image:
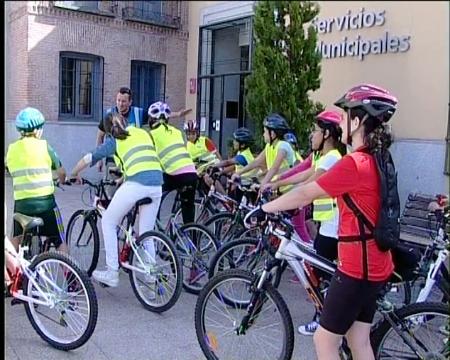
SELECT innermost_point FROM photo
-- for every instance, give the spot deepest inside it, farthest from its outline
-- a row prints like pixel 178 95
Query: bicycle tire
pixel 85 215
pixel 178 270
pixel 213 245
pixel 90 292
pixel 271 292
pixel 384 328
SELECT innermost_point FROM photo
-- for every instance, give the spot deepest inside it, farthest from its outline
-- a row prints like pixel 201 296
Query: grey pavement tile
pixel 10 353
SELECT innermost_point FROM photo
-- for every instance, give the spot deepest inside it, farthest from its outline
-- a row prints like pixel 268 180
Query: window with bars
pixel 148 81
pixel 81 86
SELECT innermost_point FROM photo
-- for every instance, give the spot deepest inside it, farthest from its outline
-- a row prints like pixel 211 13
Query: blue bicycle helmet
pixel 291 139
pixel 276 122
pixel 243 135
pixel 29 119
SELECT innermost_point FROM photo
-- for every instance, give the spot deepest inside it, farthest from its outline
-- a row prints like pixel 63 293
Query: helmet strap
pixel 38 132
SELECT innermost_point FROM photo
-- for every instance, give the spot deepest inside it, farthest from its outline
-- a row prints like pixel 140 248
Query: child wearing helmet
pixel 242 139
pixel 362 268
pixel 30 161
pixel 325 141
pixel 278 154
pixel 179 172
pixel 135 155
pixel 202 149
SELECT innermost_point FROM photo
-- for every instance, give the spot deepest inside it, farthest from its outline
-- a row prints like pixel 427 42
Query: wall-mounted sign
pixel 358 46
pixel 192 86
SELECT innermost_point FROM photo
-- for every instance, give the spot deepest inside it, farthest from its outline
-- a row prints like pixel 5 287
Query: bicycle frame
pixel 432 274
pixel 17 266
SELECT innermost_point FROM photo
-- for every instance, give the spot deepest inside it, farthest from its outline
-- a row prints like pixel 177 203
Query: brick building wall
pixel 37 33
pixel 37 37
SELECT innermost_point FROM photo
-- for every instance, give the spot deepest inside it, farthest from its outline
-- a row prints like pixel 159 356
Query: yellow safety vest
pixel 199 151
pixel 324 209
pixel 247 154
pixel 136 153
pixel 271 154
pixel 170 148
pixel 30 166
pixel 298 157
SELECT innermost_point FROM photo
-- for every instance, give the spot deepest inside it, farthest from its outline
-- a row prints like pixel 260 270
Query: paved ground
pixel 125 330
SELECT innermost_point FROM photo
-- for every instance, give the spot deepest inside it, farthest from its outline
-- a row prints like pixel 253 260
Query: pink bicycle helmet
pixel 330 116
pixel 374 100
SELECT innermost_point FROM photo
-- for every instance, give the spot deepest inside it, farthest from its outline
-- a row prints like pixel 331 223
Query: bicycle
pixel 429 278
pixel 241 305
pixel 228 225
pixel 195 245
pixel 151 259
pixel 59 298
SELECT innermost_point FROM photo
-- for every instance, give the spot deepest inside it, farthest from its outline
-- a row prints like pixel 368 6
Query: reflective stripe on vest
pixel 324 209
pixel 271 152
pixel 30 166
pixel 170 148
pixel 136 153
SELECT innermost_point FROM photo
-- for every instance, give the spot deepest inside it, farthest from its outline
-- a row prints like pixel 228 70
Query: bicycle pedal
pixel 17 301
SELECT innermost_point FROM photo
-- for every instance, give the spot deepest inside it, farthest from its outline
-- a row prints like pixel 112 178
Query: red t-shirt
pixel 356 174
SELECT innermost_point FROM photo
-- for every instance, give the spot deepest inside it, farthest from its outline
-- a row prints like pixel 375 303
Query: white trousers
pixel 122 202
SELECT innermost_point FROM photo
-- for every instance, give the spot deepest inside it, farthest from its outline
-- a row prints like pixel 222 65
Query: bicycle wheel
pixel 83 239
pixel 424 325
pixel 270 334
pixel 196 246
pixel 72 317
pixel 158 286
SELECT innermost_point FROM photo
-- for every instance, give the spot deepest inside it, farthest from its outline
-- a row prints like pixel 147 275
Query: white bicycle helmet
pixel 159 110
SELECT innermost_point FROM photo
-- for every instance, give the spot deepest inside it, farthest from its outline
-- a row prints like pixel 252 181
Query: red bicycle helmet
pixel 374 100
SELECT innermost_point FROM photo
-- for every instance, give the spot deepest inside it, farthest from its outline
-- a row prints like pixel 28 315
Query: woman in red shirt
pixel 350 304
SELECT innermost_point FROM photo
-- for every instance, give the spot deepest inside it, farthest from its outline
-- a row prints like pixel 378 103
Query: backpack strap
pixel 362 220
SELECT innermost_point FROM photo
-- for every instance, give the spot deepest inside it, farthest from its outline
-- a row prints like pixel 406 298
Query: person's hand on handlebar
pixel 75 179
pixel 255 217
pixel 268 187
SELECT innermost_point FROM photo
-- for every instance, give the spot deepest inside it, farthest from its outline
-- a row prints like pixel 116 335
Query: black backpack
pixel 386 231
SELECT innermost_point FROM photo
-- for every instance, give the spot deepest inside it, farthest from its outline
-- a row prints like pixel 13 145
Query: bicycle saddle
pixel 28 222
pixel 144 201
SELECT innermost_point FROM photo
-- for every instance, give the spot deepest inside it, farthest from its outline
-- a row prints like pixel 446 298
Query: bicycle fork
pixel 258 297
pixel 400 328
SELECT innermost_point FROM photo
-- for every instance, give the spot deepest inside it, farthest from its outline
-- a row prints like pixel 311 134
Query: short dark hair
pixel 126 90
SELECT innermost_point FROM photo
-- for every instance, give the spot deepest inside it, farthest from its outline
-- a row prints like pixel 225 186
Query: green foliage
pixel 286 65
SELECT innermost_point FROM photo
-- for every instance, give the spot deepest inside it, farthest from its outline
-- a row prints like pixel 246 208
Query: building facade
pixel 384 43
pixel 69 58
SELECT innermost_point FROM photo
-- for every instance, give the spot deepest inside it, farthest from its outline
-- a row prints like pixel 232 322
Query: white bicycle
pixel 58 296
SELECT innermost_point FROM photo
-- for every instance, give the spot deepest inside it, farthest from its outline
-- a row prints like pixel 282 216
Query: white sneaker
pixel 108 277
pixel 308 329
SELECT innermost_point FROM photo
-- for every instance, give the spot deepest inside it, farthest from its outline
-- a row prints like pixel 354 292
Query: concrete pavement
pixel 125 330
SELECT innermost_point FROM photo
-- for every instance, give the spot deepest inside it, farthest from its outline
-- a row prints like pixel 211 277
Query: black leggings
pixel 187 183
